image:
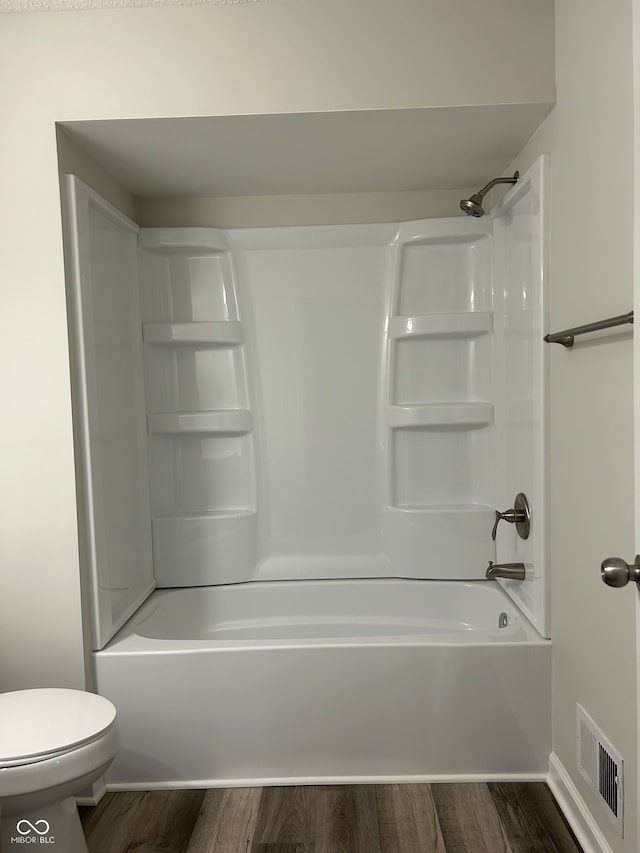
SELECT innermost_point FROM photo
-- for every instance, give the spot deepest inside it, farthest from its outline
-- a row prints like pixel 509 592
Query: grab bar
pixel 566 337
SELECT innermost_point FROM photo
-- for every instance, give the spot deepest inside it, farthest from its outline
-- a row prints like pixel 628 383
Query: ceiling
pixel 309 153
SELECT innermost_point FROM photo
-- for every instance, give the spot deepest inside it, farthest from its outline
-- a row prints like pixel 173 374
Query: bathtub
pixel 306 682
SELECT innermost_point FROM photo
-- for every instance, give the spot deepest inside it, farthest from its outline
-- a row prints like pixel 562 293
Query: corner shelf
pixel 204 517
pixel 209 515
pixel 459 324
pixel 201 548
pixel 469 415
pixel 450 509
pixel 449 540
pixel 216 333
pixel 182 240
pixel 221 422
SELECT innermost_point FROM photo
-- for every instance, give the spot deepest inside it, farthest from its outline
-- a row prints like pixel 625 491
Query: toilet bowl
pixel 54 742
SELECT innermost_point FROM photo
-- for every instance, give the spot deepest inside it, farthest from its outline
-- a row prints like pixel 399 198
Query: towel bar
pixel 566 337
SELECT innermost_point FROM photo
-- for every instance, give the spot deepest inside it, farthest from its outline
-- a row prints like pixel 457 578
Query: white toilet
pixel 53 743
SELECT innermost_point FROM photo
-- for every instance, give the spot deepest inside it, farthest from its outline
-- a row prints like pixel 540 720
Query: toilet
pixel 54 743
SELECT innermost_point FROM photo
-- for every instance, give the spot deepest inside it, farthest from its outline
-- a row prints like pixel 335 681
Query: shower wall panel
pixel 319 401
pixel 521 381
pixel 108 395
pixel 316 303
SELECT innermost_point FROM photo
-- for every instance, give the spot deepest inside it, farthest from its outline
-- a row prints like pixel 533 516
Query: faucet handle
pixel 508 515
pixel 520 515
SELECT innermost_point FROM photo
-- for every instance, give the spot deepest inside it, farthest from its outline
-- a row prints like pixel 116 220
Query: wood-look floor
pixel 444 818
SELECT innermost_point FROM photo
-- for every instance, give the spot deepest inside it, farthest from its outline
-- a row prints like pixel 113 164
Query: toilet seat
pixel 40 724
pixel 65 769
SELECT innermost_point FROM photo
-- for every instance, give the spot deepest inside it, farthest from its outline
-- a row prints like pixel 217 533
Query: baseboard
pixel 574 808
pixel 254 782
pixel 92 795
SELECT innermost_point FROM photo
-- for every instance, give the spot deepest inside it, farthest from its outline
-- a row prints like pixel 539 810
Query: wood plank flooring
pixel 444 818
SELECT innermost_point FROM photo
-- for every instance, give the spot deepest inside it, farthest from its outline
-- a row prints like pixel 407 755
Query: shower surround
pixel 315 411
pixel 312 428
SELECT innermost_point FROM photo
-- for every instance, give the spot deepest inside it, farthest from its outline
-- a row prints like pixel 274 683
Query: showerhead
pixel 473 206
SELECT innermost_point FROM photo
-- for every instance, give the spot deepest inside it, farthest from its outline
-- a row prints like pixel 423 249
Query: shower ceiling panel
pixel 300 153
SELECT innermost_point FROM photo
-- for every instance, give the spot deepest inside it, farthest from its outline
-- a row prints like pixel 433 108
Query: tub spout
pixel 515 571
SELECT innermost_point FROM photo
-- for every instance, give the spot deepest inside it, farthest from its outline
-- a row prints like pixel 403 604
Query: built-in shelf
pixel 220 333
pixel 182 240
pixel 453 509
pixel 201 548
pixel 462 324
pixel 227 422
pixel 213 515
pixel 468 415
pixel 199 419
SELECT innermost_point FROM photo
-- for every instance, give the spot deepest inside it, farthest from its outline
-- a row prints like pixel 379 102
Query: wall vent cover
pixel 601 765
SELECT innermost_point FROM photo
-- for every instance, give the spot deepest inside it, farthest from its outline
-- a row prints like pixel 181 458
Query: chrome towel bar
pixel 566 337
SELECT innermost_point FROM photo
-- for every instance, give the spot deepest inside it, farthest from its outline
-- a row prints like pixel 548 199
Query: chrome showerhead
pixel 473 206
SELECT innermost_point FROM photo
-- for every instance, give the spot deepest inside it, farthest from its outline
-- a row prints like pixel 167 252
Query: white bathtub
pixel 327 681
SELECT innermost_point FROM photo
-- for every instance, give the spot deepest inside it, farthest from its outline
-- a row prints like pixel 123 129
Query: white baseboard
pixel 92 795
pixel 574 808
pixel 265 782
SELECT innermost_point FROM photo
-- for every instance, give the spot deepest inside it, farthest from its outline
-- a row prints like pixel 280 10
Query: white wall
pixel 75 160
pixel 274 210
pixel 120 63
pixel 590 137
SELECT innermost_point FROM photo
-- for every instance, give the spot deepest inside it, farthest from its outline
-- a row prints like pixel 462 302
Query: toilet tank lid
pixel 34 723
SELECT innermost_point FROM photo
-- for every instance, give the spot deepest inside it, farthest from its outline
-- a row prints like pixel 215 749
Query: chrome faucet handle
pixel 520 515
